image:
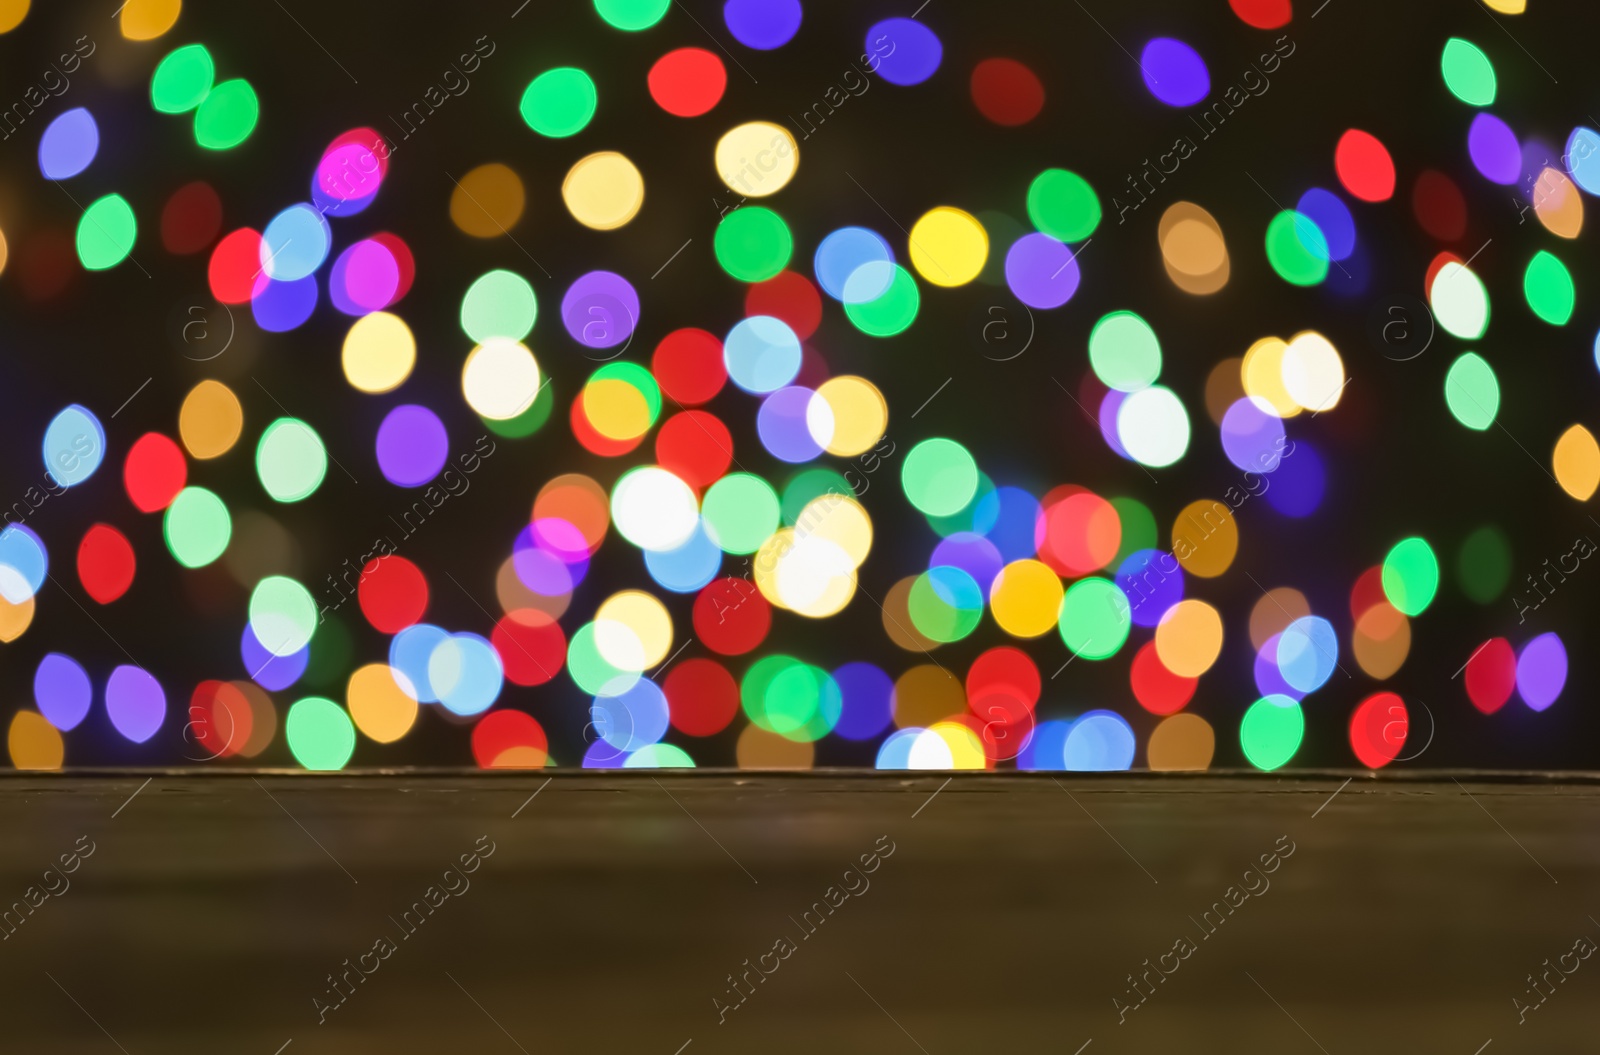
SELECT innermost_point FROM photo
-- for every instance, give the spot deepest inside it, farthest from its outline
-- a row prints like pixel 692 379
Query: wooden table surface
pixel 469 912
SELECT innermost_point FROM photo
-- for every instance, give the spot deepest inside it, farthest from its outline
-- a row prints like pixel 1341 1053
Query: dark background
pixel 1398 464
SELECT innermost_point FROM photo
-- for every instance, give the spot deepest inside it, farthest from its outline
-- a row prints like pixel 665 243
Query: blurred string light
pixel 792 534
pixel 559 102
pixel 69 144
pixel 148 19
pixel 1468 73
pixel 603 191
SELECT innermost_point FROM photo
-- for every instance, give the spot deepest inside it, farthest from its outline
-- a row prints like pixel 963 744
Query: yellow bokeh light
pixel 948 246
pixel 379 352
pixel 5 252
pixel 860 414
pixel 487 201
pixel 925 694
pixel 841 520
pixel 1313 373
pixel 210 420
pixel 815 578
pixel 897 622
pixel 1273 613
pixel 12 12
pixel 806 573
pixel 1381 640
pixel 966 750
pixel 1508 7
pixel 1193 249
pixel 1182 742
pixel 1224 388
pixel 14 618
pixel 1577 463
pixel 1026 598
pixel 757 158
pixel 523 756
pixel 1262 375
pixel 514 596
pixel 263 718
pixel 603 191
pixel 633 631
pixel 759 749
pixel 616 409
pixel 34 743
pixel 500 379
pixel 380 705
pixel 148 19
pixel 1189 638
pixel 1205 538
pixel 1558 204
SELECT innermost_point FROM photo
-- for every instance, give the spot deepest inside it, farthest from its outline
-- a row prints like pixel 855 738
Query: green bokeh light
pixel 290 460
pixel 753 243
pixel 946 604
pixel 320 734
pixel 227 115
pixel 1095 618
pixel 939 477
pixel 589 669
pixel 329 663
pixel 106 232
pixel 976 516
pixel 196 527
pixel 1271 731
pixel 1472 392
pixel 559 102
pixel 1468 73
pixel 740 512
pixel 796 700
pixel 1484 564
pixel 183 80
pixel 499 304
pixel 1063 205
pixel 283 615
pixel 1138 528
pixel 1297 249
pixel 1548 286
pixel 1411 575
pixel 1124 352
pixel 808 485
pixel 658 756
pixel 892 311
pixel 632 15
